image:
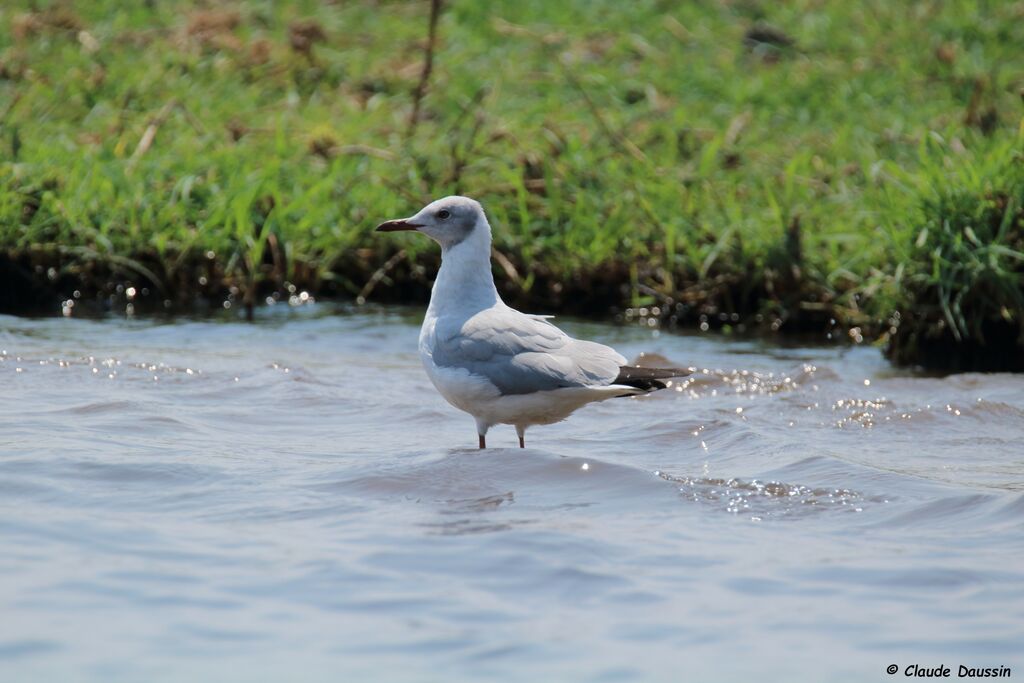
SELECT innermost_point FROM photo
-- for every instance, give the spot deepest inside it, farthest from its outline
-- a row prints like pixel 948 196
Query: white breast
pixel 464 390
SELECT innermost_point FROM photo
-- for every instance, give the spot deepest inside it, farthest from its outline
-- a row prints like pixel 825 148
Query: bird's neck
pixel 465 283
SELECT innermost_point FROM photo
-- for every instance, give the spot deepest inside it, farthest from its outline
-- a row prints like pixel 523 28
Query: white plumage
pixel 493 362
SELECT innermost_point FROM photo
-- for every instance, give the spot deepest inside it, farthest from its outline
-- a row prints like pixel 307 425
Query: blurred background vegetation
pixel 843 168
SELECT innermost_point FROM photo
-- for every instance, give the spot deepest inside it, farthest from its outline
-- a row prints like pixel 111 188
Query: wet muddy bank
pixel 62 282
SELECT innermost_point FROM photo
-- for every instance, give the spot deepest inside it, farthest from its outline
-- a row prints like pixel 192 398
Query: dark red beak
pixel 395 226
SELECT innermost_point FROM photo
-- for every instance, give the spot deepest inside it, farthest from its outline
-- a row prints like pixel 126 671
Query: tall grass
pixel 959 274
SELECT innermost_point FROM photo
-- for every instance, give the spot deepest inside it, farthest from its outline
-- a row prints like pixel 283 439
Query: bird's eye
pixel 444 214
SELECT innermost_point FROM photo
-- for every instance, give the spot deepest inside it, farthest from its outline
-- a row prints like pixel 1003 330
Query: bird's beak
pixel 400 224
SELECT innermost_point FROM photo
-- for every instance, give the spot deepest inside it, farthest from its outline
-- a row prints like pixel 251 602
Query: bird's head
pixel 447 221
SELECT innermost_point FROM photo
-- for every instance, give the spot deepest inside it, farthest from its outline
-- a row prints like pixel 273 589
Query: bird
pixel 489 360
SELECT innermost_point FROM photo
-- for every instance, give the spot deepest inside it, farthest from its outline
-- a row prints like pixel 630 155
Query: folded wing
pixel 521 354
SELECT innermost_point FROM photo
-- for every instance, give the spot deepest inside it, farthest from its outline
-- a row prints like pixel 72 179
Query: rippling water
pixel 291 500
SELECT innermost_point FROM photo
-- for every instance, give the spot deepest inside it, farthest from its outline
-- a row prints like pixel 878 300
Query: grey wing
pixel 521 354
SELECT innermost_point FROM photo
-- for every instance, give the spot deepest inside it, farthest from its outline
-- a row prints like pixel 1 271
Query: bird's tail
pixel 647 379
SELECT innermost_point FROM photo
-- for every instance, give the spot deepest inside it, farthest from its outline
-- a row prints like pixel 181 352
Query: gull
pixel 493 362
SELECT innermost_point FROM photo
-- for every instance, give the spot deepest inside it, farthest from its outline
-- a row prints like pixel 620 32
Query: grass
pixel 719 160
pixel 961 279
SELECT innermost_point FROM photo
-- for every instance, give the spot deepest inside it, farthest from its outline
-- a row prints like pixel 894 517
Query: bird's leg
pixel 521 431
pixel 522 442
pixel 481 429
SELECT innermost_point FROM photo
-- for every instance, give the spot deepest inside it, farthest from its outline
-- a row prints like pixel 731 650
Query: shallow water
pixel 291 500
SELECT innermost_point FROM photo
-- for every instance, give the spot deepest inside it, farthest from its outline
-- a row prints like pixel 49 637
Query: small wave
pixel 1014 510
pixel 750 382
pixel 977 507
pixel 163 473
pixel 99 407
pixel 988 410
pixel 769 499
pixel 467 487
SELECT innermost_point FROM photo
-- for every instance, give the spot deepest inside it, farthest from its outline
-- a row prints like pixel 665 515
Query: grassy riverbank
pixel 728 163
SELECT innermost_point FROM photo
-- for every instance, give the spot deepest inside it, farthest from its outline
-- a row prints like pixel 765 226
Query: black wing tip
pixel 648 379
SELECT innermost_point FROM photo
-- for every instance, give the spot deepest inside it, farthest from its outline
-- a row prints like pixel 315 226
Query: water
pixel 291 500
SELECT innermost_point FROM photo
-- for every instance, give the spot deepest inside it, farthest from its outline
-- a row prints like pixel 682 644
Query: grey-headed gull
pixel 493 362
